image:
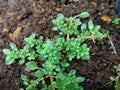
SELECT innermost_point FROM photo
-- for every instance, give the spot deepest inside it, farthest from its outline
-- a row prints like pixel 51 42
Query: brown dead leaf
pixel 15 34
pixel 10 13
pixel 1 20
pixel 34 4
pixel 5 30
pixel 0 39
pixel 94 4
pixel 42 10
pixel 41 1
pixel 18 18
pixel 58 9
pixel 102 6
pixel 106 19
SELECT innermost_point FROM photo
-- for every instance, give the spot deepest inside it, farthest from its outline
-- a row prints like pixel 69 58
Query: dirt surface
pixel 20 18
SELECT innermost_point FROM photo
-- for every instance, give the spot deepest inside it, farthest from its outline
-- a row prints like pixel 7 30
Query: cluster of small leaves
pixel 116 21
pixel 27 52
pixel 63 81
pixel 75 49
pixel 75 45
pixel 54 53
pixel 31 84
pixel 117 78
pixel 68 25
pixel 69 81
pixel 50 52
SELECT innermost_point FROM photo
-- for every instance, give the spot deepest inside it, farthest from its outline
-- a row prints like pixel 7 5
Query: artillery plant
pixel 54 54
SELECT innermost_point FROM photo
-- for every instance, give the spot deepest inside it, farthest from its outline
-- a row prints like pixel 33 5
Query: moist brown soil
pixel 20 18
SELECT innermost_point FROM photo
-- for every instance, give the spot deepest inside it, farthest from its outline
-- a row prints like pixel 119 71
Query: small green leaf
pixel 54 21
pixel 25 83
pixel 48 65
pixel 13 46
pixel 64 63
pixel 116 21
pixel 105 32
pixel 97 27
pixel 80 79
pixel 117 68
pixel 57 68
pixel 84 15
pixel 71 57
pixel 55 28
pixel 6 51
pixel 32 65
pixel 78 57
pixel 33 35
pixel 77 22
pixel 112 78
pixel 83 26
pixel 21 89
pixel 68 20
pixel 34 82
pixel 9 60
pixel 90 24
pixel 117 87
pixel 21 62
pixel 60 15
pixel 31 55
pixel 72 72
pixel 39 73
pixel 24 77
pixel 31 88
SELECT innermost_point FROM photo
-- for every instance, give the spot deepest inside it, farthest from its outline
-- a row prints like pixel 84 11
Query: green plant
pixel 116 21
pixel 117 78
pixel 54 54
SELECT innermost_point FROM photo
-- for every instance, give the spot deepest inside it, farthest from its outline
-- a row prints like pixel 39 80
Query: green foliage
pixel 117 78
pixel 54 54
pixel 32 65
pixel 117 68
pixel 68 81
pixel 11 55
pixel 116 21
pixel 31 84
pixel 84 15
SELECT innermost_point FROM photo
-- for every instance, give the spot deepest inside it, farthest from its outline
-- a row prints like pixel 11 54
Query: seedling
pixel 117 78
pixel 116 21
pixel 54 54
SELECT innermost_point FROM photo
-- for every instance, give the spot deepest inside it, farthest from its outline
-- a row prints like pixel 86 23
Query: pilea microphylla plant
pixel 55 53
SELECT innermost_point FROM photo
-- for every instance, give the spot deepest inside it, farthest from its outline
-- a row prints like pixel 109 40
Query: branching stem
pixel 52 82
pixel 112 45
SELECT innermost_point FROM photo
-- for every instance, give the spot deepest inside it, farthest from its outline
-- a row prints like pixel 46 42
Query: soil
pixel 20 18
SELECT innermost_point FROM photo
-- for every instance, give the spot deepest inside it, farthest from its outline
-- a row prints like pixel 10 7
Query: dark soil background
pixel 20 18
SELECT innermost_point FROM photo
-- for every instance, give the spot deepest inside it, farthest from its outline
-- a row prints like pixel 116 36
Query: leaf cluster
pixel 54 54
pixel 116 21
pixel 117 78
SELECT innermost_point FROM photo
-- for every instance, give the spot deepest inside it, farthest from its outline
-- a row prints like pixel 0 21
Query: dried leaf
pixel 106 19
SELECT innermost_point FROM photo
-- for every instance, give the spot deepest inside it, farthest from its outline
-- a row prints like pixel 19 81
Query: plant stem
pixel 112 45
pixel 117 79
pixel 68 36
pixel 76 16
pixel 51 81
pixel 93 37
